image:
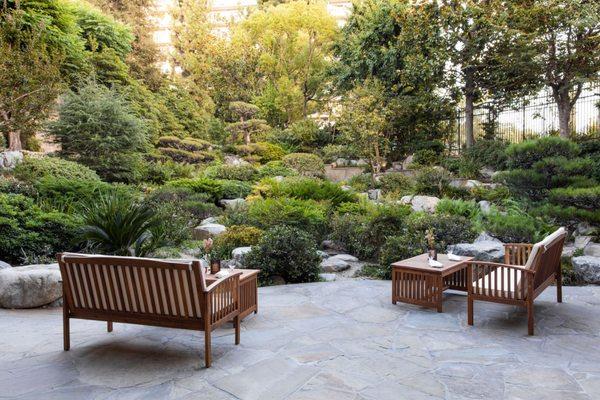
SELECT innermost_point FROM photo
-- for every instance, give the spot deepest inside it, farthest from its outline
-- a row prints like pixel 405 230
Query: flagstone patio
pixel 340 340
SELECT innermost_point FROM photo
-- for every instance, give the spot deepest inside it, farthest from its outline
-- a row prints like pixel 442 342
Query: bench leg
pixel 470 310
pixel 66 329
pixel 236 322
pixel 109 326
pixel 530 317
pixel 559 285
pixel 207 355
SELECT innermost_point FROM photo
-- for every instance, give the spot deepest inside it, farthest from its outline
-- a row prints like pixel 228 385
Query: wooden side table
pixel 415 282
pixel 248 290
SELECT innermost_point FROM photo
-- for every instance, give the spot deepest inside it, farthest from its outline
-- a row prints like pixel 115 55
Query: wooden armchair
pixel 527 270
pixel 146 291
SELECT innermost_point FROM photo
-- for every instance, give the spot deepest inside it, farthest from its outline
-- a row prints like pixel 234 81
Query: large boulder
pixel 208 231
pixel 30 286
pixel 421 203
pixel 485 206
pixel 234 160
pixel 239 254
pixel 10 159
pixel 374 194
pixel 4 265
pixel 485 248
pixel 587 268
pixel 582 241
pixel 232 204
pixel 333 264
pixel 592 249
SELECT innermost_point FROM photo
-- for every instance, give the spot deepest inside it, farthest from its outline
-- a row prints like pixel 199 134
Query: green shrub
pixel 585 198
pixel 396 183
pixel 305 189
pixel 566 216
pixel 68 195
pixel 191 205
pixel 493 195
pixel 185 156
pixel 451 164
pixel 275 168
pixel 432 181
pixel 159 172
pixel 447 229
pixel 398 248
pixel 515 226
pixel 363 182
pixel 234 189
pixel 524 155
pixel 187 144
pixel 35 168
pixel 260 152
pixel 524 183
pixel 29 234
pixel 364 231
pixel 97 127
pixel 305 164
pixel 465 208
pixel 426 157
pixel 286 252
pixel 469 169
pixel 332 152
pixel 211 187
pixel 232 172
pixel 308 215
pixel 235 236
pixel 486 153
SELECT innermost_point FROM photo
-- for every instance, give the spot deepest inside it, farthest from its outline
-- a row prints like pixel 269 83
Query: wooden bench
pixel 146 291
pixel 527 270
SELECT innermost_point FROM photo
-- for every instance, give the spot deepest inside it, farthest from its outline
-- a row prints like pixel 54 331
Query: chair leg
pixel 559 286
pixel 470 310
pixel 207 355
pixel 66 329
pixel 109 326
pixel 236 323
pixel 530 317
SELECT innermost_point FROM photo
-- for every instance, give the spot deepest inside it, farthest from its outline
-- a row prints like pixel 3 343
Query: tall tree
pixel 387 40
pixel 486 58
pixel 566 35
pixel 30 81
pixel 294 40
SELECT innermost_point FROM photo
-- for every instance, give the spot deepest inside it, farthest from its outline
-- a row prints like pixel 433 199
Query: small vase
pixel 215 266
pixel 432 254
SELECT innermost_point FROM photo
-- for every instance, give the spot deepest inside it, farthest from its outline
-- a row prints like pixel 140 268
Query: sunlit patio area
pixel 340 340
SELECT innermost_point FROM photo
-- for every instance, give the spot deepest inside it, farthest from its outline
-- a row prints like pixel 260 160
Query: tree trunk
pixel 469 92
pixel 565 105
pixel 247 137
pixel 14 141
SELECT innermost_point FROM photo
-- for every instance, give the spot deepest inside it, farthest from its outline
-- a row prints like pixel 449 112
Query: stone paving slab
pixel 337 340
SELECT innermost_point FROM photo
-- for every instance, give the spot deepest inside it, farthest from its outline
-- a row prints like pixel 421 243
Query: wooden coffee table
pixel 248 290
pixel 415 282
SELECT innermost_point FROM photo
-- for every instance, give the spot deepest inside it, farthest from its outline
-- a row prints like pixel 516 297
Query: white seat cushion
pixel 542 246
pixel 500 277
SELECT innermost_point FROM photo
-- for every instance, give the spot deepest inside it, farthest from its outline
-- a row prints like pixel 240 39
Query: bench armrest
pixel 222 299
pixel 497 280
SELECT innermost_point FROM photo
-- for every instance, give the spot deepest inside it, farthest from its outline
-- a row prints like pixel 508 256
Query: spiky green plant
pixel 115 224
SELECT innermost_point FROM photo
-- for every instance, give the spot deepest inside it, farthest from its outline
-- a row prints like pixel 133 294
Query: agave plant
pixel 114 224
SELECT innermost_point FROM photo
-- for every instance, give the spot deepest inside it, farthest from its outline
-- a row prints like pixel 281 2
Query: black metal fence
pixel 537 116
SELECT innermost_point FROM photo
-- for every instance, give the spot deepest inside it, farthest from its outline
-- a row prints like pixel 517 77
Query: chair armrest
pixel 222 299
pixel 497 280
pixel 516 253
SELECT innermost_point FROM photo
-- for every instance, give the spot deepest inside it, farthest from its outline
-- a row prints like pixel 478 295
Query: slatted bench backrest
pixel 145 289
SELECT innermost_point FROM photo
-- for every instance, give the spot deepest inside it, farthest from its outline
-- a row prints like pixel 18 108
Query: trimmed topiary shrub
pixel 232 172
pixel 234 189
pixel 275 168
pixel 525 154
pixel 426 157
pixel 487 153
pixel 35 168
pixel 585 198
pixel 211 187
pixel 260 152
pixel 235 236
pixel 185 156
pixel 285 252
pixel 305 164
pixel 515 226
